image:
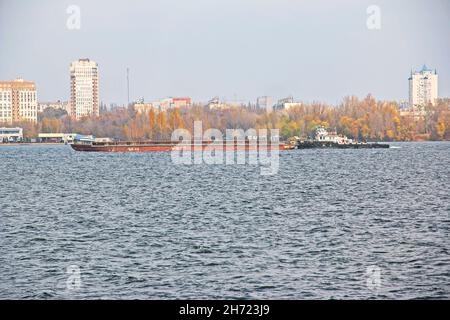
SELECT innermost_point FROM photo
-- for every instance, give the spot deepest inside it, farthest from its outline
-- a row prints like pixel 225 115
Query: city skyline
pixel 84 95
pixel 191 50
pixel 430 95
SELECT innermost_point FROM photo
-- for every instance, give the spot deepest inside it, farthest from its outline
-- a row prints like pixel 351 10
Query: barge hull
pixel 88 148
pixel 166 148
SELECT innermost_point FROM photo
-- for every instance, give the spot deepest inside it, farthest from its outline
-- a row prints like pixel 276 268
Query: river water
pixel 360 224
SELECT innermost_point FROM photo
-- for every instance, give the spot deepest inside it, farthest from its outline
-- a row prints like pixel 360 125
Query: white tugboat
pixel 323 135
pixel 324 138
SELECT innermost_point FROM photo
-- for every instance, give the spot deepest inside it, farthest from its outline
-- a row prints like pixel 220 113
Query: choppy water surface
pixel 138 226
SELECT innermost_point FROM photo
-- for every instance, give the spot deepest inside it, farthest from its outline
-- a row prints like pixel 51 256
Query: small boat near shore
pixel 325 139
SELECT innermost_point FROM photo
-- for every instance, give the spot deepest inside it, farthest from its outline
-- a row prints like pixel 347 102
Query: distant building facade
pixel 11 135
pixel 423 87
pixel 286 103
pixel 116 106
pixel 143 107
pixel 58 105
pixel 18 101
pixel 162 104
pixel 264 102
pixel 281 102
pixel 84 97
pixel 57 137
pixel 103 108
pixel 216 104
pixel 181 102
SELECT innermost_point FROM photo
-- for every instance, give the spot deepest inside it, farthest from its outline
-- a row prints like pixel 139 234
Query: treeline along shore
pixel 365 119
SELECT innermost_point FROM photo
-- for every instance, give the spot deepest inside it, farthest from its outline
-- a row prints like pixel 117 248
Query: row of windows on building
pixel 22 106
pixel 30 114
pixel 8 114
pixel 24 96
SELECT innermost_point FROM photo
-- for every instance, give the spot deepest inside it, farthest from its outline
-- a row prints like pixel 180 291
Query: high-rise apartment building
pixel 423 87
pixel 84 99
pixel 18 101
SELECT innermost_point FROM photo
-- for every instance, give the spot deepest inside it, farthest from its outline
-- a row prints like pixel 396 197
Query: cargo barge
pixel 325 139
pixel 164 146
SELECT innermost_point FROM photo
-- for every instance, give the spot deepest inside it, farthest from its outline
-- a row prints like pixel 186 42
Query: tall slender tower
pixel 84 98
pixel 128 86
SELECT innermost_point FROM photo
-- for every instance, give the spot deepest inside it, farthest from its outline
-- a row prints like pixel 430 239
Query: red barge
pixel 155 146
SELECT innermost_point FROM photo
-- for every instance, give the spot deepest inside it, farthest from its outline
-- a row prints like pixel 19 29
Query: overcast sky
pixel 313 50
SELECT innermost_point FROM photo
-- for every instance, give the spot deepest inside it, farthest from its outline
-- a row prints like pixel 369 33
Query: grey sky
pixel 314 50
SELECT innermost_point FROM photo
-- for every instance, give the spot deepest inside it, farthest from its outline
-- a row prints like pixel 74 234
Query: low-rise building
pixel 143 107
pixel 11 135
pixel 164 104
pixel 282 103
pixel 217 104
pixel 58 105
pixel 57 137
pixel 181 102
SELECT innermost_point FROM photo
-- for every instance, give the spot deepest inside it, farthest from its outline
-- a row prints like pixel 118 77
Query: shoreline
pixel 32 144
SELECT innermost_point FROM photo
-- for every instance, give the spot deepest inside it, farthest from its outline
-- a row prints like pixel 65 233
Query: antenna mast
pixel 128 86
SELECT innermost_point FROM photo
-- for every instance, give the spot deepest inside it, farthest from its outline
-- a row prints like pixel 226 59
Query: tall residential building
pixel 84 99
pixel 18 101
pixel 423 87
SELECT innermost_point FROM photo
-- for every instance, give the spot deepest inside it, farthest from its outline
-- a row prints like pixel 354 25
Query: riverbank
pixel 30 144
